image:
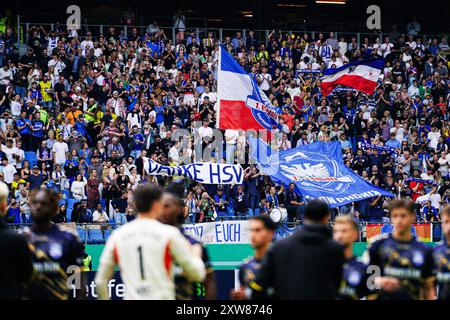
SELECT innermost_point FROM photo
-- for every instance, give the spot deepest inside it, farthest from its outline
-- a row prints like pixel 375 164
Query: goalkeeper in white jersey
pixel 145 250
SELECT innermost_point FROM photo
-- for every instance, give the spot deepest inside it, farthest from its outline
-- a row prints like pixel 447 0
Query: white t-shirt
pixel 315 66
pixel 265 80
pixel 423 199
pixel 78 190
pixel 100 79
pixel 174 155
pixel 86 43
pixel 435 200
pixel 343 47
pixel 21 154
pixel 58 66
pixel 8 173
pixel 15 108
pixel 385 49
pixel 211 95
pixel 293 92
pixel 98 52
pixel 231 136
pixel 205 132
pixel 52 44
pixel 434 139
pixel 99 216
pixel 60 149
pixel 412 44
pixel 399 133
pixel 9 152
pixel 5 76
pixel 134 120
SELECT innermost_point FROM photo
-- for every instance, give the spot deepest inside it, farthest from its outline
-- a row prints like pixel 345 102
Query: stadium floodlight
pixel 331 1
pixel 291 5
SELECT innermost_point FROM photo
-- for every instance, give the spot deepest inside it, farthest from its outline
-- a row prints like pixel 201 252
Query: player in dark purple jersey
pixel 405 265
pixel 441 256
pixel 354 284
pixel 354 279
pixel 54 249
pixel 262 229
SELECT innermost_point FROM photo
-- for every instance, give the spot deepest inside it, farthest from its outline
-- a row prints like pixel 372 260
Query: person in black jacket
pixel 240 202
pixel 305 266
pixel 16 268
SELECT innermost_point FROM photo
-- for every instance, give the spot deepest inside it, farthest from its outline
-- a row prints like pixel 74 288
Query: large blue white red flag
pixel 361 75
pixel 317 170
pixel 241 102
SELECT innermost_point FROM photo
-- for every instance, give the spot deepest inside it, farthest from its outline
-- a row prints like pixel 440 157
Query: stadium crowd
pixel 82 113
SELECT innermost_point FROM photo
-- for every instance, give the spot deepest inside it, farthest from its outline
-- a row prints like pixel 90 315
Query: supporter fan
pixel 127 99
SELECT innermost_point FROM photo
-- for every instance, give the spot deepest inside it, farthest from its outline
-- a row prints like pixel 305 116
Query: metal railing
pixel 98 233
pixel 219 33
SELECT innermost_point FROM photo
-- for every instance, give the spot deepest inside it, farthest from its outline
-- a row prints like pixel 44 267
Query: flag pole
pixel 219 97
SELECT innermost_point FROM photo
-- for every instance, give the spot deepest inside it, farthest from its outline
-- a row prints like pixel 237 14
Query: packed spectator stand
pixel 82 112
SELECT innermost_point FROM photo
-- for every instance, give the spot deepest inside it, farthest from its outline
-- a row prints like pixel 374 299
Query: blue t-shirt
pixel 159 114
pixel 138 138
pixel 38 127
pixel 14 212
pixel 154 48
pixel 35 181
pixel 393 143
pixel 20 123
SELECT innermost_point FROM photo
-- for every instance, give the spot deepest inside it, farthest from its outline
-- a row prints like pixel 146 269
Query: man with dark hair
pixel 16 267
pixel 144 250
pixel 354 278
pixel 294 203
pixel 54 249
pixel 173 214
pixel 306 265
pixel 262 229
pixel 405 265
pixel 441 256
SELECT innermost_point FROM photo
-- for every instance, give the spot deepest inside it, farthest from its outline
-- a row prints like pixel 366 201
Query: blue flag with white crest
pixel 317 170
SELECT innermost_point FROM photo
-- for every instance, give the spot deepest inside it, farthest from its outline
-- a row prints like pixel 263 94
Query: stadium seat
pixel 96 236
pixel 106 234
pixel 31 158
pixel 70 204
pixel 83 234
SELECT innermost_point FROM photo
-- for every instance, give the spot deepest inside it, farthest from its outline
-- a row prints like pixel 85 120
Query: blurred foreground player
pixel 173 214
pixel 406 265
pixel 442 258
pixel 144 250
pixel 354 277
pixel 305 265
pixel 54 249
pixel 16 267
pixel 262 229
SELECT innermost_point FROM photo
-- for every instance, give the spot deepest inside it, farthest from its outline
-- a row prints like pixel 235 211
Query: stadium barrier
pixel 235 231
pixel 219 33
